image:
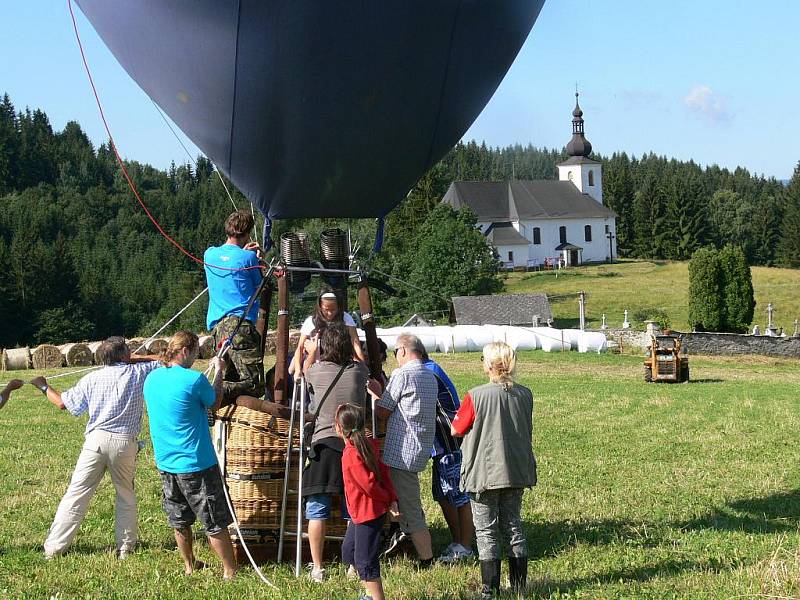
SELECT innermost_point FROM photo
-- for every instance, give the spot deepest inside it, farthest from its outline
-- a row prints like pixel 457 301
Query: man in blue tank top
pixel 233 275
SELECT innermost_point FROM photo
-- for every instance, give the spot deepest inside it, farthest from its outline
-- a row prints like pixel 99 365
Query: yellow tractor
pixel 664 361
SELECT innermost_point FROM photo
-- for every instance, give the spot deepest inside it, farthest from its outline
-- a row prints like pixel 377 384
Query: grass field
pixel 646 491
pixel 635 285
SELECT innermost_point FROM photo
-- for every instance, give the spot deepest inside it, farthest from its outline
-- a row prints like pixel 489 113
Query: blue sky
pixel 711 80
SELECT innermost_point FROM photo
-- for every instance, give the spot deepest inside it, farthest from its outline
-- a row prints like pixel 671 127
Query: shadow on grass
pixel 85 549
pixel 709 380
pixel 546 588
pixel 771 514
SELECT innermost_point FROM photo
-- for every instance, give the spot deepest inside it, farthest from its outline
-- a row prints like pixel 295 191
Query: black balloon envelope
pixel 318 108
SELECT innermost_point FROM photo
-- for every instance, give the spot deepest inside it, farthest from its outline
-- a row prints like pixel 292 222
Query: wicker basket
pixel 248 460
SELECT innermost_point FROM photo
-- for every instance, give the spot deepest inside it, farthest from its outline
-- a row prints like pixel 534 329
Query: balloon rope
pixel 216 169
pixel 122 163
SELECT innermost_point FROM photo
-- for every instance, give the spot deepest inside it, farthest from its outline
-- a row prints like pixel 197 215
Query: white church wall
pixel 594 251
pixel 519 255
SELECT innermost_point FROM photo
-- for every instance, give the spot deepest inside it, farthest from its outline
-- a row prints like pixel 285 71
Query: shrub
pixel 640 316
pixel 737 289
pixel 720 290
pixel 705 291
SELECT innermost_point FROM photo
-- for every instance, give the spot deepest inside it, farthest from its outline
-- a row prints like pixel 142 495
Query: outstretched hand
pixel 38 381
pixel 14 384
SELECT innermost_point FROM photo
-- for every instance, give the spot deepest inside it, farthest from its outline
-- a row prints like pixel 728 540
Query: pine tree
pixel 789 248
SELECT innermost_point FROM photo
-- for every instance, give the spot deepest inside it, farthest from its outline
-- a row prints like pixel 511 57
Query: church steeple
pixel 585 173
pixel 578 145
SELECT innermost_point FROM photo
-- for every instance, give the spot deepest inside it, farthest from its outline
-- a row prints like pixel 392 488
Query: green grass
pixel 632 285
pixel 646 491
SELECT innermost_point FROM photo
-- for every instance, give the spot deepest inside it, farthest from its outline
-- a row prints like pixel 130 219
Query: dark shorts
pixel 196 496
pixel 362 546
pixel 446 479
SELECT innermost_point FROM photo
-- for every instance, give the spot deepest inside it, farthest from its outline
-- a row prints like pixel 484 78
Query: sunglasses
pixel 398 348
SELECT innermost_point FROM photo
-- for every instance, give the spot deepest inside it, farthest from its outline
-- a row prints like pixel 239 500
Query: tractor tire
pixel 685 374
pixel 648 374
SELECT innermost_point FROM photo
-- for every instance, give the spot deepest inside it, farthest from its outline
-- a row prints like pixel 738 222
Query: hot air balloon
pixel 313 108
pixel 316 108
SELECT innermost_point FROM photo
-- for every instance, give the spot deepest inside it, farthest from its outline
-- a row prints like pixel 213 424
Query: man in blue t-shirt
pixel 446 476
pixel 177 399
pixel 233 275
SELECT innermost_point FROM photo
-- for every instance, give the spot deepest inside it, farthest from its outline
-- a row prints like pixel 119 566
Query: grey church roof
pixel 505 235
pixel 501 309
pixel 513 200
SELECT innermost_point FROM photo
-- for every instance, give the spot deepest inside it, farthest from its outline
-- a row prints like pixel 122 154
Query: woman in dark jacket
pixel 336 379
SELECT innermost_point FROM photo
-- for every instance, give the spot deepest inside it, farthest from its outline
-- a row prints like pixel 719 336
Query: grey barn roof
pixel 513 200
pixel 501 309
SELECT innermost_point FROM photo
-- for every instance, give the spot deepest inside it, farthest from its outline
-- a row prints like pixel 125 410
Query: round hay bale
pixel 156 346
pixel 294 339
pixel 206 346
pixel 15 359
pixel 77 355
pixel 47 356
pixel 93 347
pixel 136 346
pixel 269 343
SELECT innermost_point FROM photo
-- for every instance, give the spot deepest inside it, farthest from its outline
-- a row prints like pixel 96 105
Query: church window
pixel 591 177
pixel 510 257
pixel 537 235
pixel 562 235
pixel 587 233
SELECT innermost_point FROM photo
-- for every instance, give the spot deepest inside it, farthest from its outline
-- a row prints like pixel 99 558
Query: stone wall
pixel 734 343
pixel 627 339
pixel 724 344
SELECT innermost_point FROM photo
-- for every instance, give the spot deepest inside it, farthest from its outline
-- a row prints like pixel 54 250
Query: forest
pixel 80 259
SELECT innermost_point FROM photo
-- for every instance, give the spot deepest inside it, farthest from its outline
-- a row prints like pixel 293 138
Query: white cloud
pixel 705 103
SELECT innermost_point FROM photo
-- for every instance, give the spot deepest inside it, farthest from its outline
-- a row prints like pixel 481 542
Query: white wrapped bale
pixel 522 338
pixel 16 359
pixel 592 341
pixel 552 340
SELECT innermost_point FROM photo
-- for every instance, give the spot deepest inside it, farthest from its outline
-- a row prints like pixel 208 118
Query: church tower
pixel 586 174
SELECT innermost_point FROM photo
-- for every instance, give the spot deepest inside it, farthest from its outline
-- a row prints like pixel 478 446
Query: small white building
pixel 546 223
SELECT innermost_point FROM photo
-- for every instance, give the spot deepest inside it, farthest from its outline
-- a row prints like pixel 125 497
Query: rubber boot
pixel 490 577
pixel 518 572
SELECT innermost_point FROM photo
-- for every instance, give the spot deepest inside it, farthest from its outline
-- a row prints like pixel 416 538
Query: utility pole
pixel 582 309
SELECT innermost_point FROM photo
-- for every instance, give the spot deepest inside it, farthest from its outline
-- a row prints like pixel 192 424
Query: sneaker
pixel 449 550
pixel 458 553
pixel 317 575
pixel 352 573
pixel 394 544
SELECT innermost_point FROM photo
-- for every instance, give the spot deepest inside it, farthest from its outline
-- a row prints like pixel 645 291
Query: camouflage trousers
pixel 244 374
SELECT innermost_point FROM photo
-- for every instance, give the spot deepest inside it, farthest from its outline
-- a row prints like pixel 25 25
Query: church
pixel 546 223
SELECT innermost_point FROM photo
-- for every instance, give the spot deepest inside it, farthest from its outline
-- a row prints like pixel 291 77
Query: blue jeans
pixel 318 507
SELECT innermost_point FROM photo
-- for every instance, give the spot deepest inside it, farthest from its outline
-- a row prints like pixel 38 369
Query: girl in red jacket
pixel 369 494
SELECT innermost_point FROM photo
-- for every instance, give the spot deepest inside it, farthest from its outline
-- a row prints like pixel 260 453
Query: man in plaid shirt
pixel 113 399
pixel 408 405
